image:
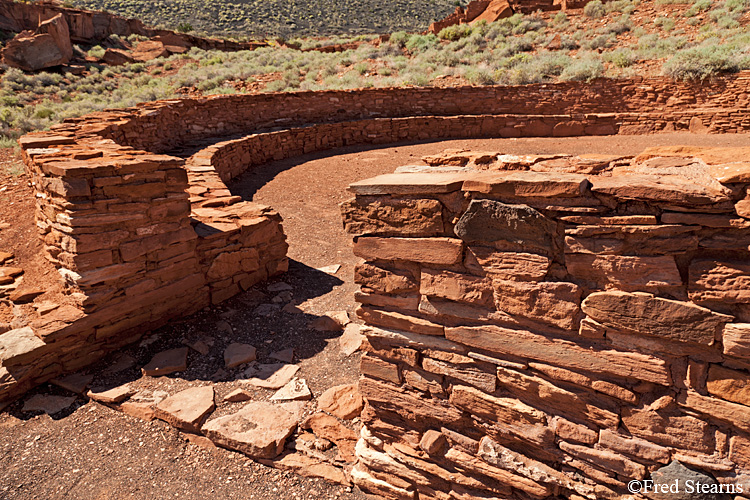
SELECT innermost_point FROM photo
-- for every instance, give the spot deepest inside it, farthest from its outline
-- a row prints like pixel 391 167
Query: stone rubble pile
pixel 554 326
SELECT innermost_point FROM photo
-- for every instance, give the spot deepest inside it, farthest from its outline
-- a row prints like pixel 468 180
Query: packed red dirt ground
pixel 90 451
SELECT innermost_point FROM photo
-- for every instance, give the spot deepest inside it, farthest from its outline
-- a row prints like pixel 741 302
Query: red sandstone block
pixel 409 183
pixel 380 369
pixel 428 250
pixel 398 321
pixel 456 286
pixel 218 296
pixel 628 273
pixel 527 183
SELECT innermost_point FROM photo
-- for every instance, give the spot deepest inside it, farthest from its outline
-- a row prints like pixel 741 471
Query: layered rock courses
pixel 516 310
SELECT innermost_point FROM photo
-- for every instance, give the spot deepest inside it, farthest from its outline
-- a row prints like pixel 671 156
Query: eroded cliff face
pixel 545 326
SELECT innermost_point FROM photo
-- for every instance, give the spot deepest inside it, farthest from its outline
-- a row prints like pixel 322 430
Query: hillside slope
pixel 281 17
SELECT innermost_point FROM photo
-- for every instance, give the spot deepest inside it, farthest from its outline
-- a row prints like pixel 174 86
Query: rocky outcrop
pixel 580 328
pixel 46 47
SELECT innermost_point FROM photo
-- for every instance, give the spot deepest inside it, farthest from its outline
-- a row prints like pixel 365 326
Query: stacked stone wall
pixel 116 219
pixel 554 326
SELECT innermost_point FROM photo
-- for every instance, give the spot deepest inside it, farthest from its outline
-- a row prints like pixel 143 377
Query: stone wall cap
pixel 410 183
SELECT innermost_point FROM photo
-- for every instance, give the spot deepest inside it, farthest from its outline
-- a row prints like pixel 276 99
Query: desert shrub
pixel 420 43
pixel 599 42
pixel 455 32
pixel 8 142
pixel 624 6
pixel 699 63
pixel 479 76
pixel 621 57
pixel 698 6
pixel 655 47
pixel 619 26
pixel 399 38
pixel 671 2
pixel 185 27
pixel 584 69
pixel 96 51
pixel 560 19
pixel 594 9
pixel 665 23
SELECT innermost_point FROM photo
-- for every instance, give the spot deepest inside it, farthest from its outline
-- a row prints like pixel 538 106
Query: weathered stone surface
pixel 673 189
pixel 631 240
pixel 393 217
pixel 295 390
pixel 488 222
pixel 513 266
pixel 603 386
pixel 552 303
pixel 683 477
pixel 373 366
pixel 732 385
pixel 20 346
pixel 736 339
pixel 639 448
pixel 527 183
pixel 428 250
pixel 466 373
pixel 351 340
pixel 306 466
pixel 606 459
pixel 478 466
pixel 433 442
pixel 627 273
pixel 238 354
pixel 408 404
pixel 114 395
pixel 562 353
pixel 48 404
pixel 26 294
pixel 409 183
pixel 504 410
pixel 342 401
pixel 495 454
pixel 719 281
pixel 644 314
pixel 456 286
pixel 258 430
pixel 187 409
pixel 409 302
pixel 569 431
pixel 238 395
pixel 543 394
pixel 380 279
pixel 48 46
pixel 398 321
pixel 381 339
pixel 272 375
pixel 285 355
pixel 669 427
pixel 166 362
pixel 327 427
pixel 76 382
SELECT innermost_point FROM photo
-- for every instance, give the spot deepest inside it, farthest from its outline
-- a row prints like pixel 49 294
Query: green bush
pixel 622 57
pixel 665 23
pixel 184 27
pixel 585 69
pixel 698 6
pixel 455 32
pixel 594 9
pixel 699 63
pixel 420 43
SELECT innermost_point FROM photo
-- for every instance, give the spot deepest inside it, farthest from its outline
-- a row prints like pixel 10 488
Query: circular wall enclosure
pixel 134 210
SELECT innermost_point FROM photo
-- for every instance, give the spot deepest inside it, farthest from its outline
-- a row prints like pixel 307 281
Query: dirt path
pixel 93 452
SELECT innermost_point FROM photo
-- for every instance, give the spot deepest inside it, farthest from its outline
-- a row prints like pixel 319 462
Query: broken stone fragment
pixel 166 362
pixel 76 382
pixel 187 409
pixel 342 401
pixel 285 356
pixel 307 466
pixel 238 354
pixel 112 396
pixel 295 390
pixel 237 396
pixel 271 376
pixel 48 404
pixel 351 340
pixel 258 430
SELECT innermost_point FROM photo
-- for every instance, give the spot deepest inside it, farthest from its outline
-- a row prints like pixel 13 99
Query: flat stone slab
pixel 285 356
pixel 237 396
pixel 76 382
pixel 307 466
pixel 272 376
pixel 342 401
pixel 258 430
pixel 164 363
pixel 409 183
pixel 48 404
pixel 114 395
pixel 239 354
pixel 295 390
pixel 187 409
pixel 19 346
pixel 351 340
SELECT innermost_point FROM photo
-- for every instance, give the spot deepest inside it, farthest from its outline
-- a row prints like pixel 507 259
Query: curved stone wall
pixel 121 217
